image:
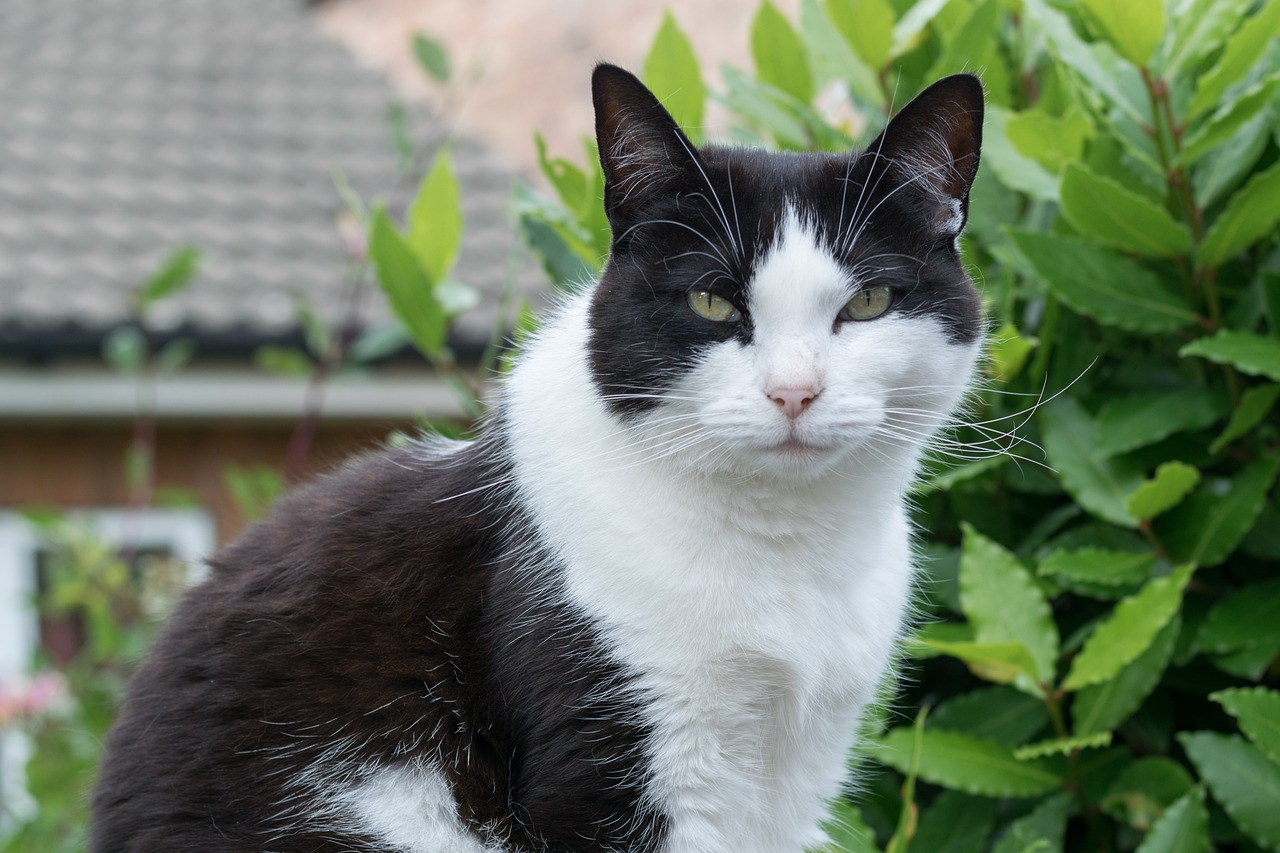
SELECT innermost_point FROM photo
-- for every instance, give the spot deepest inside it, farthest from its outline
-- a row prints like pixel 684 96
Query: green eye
pixel 714 308
pixel 867 304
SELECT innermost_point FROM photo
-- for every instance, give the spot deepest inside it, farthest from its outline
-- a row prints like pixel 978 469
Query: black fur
pixel 378 608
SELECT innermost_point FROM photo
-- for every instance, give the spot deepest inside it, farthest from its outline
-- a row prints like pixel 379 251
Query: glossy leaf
pixel 1004 604
pixel 1243 780
pixel 435 219
pixel 955 823
pixel 1040 831
pixel 963 49
pixel 779 53
pixel 1112 215
pixel 1183 828
pixel 1226 123
pixel 1105 706
pixel 1135 27
pixel 1200 28
pixel 1254 405
pixel 671 71
pixel 1243 49
pixel 1248 617
pixel 1256 355
pixel 997 662
pixel 1063 746
pixel 867 26
pixel 1014 169
pixel 1103 284
pixel 1001 714
pixel 832 55
pixel 1099 566
pixel 908 29
pixel 1129 631
pixel 1251 213
pixel 1206 527
pixel 1144 789
pixel 1172 482
pixel 1052 140
pixel 1213 177
pixel 1128 422
pixel 848 832
pixel 409 288
pixel 1258 712
pixel 965 763
pixel 1100 484
pixel 1080 56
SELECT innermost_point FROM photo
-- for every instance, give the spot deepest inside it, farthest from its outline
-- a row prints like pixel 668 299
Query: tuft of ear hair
pixel 642 150
pixel 935 142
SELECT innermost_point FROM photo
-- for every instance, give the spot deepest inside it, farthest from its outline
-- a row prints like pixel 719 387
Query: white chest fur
pixel 759 617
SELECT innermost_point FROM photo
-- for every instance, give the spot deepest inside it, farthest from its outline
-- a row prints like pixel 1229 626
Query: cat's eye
pixel 712 307
pixel 867 304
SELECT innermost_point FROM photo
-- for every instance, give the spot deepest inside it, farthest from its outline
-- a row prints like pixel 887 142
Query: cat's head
pixel 782 311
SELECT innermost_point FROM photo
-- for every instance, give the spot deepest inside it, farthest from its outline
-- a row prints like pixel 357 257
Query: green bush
pixel 1098 665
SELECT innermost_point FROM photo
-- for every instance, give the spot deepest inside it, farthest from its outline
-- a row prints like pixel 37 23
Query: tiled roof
pixel 131 127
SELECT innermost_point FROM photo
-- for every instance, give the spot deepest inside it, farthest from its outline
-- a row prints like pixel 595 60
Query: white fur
pixel 409 808
pixel 753 571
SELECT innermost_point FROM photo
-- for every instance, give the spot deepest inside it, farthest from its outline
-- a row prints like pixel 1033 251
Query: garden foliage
pixel 1097 664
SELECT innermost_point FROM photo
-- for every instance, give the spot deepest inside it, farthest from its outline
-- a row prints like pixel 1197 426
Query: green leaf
pixel 435 220
pixel 1144 789
pixel 175 355
pixel 1251 214
pixel 867 26
pixel 1001 714
pixel 1103 707
pixel 1135 27
pixel 963 49
pixel 779 53
pixel 1063 745
pixel 832 56
pixel 562 259
pixel 1129 422
pixel 1249 617
pixel 1206 527
pixel 1000 662
pixel 955 823
pixel 1053 140
pixel 1242 50
pixel 1129 631
pixel 1233 161
pixel 848 832
pixel 671 71
pixel 965 763
pixel 1103 284
pixel 1100 484
pixel 431 57
pixel 1041 831
pixel 907 31
pixel 1007 351
pixel 1183 828
pixel 1099 566
pixel 176 273
pixel 1114 216
pixel 1258 712
pixel 1200 28
pixel 1250 662
pixel 1254 405
pixel 1173 482
pixel 1256 355
pixel 759 103
pixel 1226 123
pixel 1004 605
pixel 1242 779
pixel 1014 169
pixel 408 286
pixel 1080 56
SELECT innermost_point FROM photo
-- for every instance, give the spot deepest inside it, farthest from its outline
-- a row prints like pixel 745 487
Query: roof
pixel 129 128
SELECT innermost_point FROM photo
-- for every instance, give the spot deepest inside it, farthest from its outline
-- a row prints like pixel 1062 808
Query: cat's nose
pixel 793 401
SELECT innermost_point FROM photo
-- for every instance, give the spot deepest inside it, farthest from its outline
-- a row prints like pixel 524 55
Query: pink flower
pixel 34 697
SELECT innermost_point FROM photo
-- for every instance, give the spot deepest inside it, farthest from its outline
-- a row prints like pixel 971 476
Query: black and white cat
pixel 644 610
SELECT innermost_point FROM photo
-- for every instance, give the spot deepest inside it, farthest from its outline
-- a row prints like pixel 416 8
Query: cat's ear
pixel 934 143
pixel 642 149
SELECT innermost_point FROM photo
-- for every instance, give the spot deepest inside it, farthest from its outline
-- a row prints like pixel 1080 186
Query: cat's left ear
pixel 934 142
pixel 642 150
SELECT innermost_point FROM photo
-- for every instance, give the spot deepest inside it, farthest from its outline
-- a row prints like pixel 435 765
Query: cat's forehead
pixel 799 273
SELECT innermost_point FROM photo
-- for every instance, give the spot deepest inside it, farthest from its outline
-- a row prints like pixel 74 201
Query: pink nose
pixel 792 401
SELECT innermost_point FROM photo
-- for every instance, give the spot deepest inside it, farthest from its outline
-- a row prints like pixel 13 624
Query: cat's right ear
pixel 642 150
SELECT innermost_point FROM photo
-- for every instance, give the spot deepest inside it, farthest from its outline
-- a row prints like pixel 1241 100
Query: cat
pixel 645 607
